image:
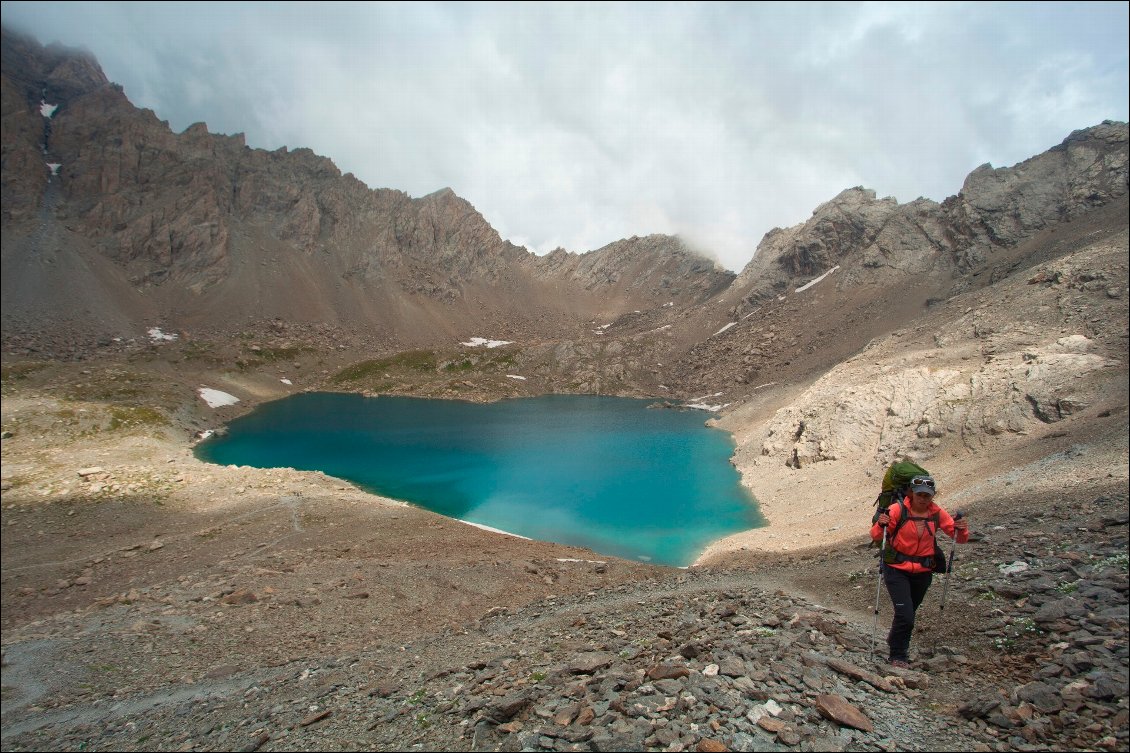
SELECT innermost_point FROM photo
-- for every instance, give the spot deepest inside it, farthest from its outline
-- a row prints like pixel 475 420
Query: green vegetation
pixel 403 371
pixel 1013 639
pixel 21 370
pixel 112 386
pixel 366 371
pixel 201 351
pixel 1120 561
pixel 465 365
pixel 124 417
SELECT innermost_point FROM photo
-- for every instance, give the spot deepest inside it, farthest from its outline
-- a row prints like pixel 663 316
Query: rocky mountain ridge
pixel 997 208
pixel 199 231
pixel 179 223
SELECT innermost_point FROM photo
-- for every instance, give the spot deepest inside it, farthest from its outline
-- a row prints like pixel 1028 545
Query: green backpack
pixel 896 483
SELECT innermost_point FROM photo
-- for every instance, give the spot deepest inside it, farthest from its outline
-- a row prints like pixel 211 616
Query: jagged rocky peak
pixel 651 265
pixel 855 197
pixel 1088 169
pixel 996 208
pixel 54 73
pixel 849 221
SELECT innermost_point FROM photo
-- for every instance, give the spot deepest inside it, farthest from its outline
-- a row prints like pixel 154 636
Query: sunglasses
pixel 922 481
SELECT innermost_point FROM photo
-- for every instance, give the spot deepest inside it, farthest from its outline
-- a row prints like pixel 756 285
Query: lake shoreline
pixel 602 472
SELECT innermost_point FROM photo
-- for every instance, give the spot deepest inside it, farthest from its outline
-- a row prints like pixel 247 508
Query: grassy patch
pixel 205 352
pixel 21 370
pixel 112 387
pixel 460 366
pixel 127 416
pixel 425 372
pixel 365 371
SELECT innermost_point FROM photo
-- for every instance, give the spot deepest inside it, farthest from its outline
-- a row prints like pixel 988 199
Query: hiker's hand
pixel 884 519
pixel 961 524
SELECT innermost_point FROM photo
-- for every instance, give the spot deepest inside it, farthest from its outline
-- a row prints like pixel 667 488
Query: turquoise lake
pixel 605 473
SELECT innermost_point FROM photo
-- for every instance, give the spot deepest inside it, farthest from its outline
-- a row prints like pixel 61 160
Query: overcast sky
pixel 576 125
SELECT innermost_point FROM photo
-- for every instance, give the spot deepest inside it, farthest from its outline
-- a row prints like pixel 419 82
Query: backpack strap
pixel 904 515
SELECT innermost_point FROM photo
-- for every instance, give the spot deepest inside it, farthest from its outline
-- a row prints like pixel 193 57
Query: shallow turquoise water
pixel 605 473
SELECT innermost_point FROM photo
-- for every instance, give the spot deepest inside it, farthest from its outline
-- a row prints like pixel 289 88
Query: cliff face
pixel 879 240
pixel 192 227
pixel 33 79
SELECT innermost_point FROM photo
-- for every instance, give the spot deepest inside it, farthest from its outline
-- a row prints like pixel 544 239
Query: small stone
pixel 242 596
pixel 667 672
pixel 315 718
pixel 789 736
pixel 841 712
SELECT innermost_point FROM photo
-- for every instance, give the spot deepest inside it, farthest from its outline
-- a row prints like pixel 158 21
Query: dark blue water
pixel 605 473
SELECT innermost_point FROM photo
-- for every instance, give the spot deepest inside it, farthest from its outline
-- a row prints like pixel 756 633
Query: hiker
pixel 911 555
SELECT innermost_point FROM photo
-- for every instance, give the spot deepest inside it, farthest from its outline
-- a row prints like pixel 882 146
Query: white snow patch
pixel 47 110
pixel 54 167
pixel 731 324
pixel 698 404
pixel 215 398
pixel 808 285
pixel 515 376
pixel 284 380
pixel 494 530
pixel 704 406
pixel 156 335
pixel 573 559
pixel 716 394
pixel 477 341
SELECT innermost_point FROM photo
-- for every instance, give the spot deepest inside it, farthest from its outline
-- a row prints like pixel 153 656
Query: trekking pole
pixel 949 571
pixel 878 590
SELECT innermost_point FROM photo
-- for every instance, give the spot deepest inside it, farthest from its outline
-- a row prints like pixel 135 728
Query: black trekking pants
pixel 907 592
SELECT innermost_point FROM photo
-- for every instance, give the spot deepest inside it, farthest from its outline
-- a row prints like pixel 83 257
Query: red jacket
pixel 916 537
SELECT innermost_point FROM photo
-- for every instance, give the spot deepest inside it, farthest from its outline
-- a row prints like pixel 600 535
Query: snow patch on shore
pixel 216 398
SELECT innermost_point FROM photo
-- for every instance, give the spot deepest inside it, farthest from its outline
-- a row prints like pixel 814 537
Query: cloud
pixel 579 124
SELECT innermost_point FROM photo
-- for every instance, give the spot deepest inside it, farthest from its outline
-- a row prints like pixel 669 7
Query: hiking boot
pixel 900 663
